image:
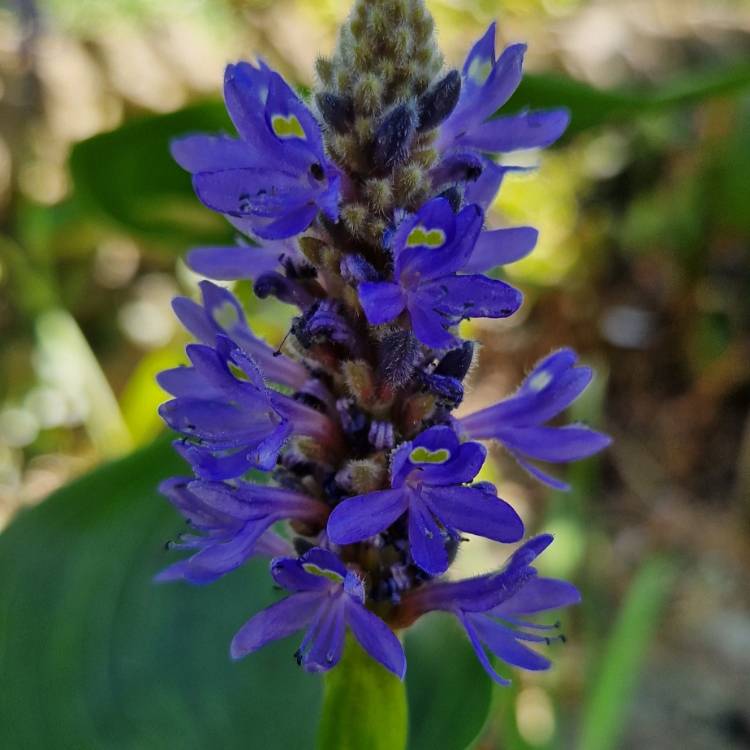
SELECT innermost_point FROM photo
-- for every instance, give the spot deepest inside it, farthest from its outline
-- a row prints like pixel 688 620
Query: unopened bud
pixel 436 104
pixel 337 111
pixel 393 136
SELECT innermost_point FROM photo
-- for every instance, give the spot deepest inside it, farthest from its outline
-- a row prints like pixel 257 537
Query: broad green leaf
pixel 449 692
pixel 129 175
pixel 591 107
pixel 94 655
pixel 608 704
pixel 364 705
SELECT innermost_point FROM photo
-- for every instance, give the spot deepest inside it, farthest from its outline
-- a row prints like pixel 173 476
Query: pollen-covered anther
pixel 359 380
pixel 363 475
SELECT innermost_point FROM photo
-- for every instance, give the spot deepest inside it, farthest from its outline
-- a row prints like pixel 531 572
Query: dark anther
pixel 456 362
pixel 337 111
pixel 393 136
pixel 454 197
pixel 274 284
pixel 439 101
pixel 317 171
pixel 298 657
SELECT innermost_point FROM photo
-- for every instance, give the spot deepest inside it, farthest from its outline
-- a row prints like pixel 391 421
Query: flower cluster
pixel 339 457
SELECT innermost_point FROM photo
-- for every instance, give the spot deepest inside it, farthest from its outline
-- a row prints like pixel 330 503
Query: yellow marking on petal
pixel 314 570
pixel 540 381
pixel 421 236
pixel 479 70
pixel 225 315
pixel 422 455
pixel 287 127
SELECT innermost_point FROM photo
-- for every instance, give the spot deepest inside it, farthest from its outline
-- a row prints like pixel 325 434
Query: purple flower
pixel 234 522
pixel 486 85
pixel 489 608
pixel 327 598
pixel 428 477
pixel 429 248
pixel 518 421
pixel 274 179
pixel 231 420
pixel 222 314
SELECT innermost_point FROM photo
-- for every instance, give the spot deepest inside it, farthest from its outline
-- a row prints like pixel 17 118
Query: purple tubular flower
pixel 326 599
pixel 518 421
pixel 235 524
pixel 232 423
pixel 230 262
pixel 428 478
pixel 487 84
pixel 488 607
pixel 429 248
pixel 274 180
pixel 222 314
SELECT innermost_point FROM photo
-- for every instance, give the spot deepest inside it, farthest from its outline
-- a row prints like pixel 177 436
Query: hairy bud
pixel 436 104
pixel 337 111
pixel 393 137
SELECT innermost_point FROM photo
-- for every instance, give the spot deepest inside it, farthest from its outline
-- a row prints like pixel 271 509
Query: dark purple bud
pixel 458 167
pixel 449 390
pixel 399 355
pixel 393 136
pixel 456 363
pixel 439 101
pixel 337 111
pixel 273 284
pixel 298 269
pixel 355 268
pixel 454 197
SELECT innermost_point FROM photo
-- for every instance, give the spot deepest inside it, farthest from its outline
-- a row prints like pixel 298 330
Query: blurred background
pixel 643 267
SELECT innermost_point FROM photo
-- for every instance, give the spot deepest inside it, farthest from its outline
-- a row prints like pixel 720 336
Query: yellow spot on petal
pixel 479 70
pixel 287 127
pixel 314 570
pixel 423 456
pixel 540 381
pixel 421 236
pixel 225 315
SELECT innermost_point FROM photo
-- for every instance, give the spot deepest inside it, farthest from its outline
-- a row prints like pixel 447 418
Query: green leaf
pixel 129 176
pixel 591 107
pixel 364 705
pixel 94 655
pixel 608 704
pixel 449 693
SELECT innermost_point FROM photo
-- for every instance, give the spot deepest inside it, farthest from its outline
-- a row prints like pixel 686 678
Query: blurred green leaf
pixel 129 176
pixel 591 107
pixel 449 692
pixel 608 704
pixel 94 655
pixel 364 705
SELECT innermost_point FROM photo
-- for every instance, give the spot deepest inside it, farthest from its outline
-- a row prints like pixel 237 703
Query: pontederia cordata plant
pixel 366 210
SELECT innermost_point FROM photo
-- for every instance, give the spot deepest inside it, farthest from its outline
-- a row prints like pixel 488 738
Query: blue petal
pixel 471 296
pixel 382 301
pixel 376 638
pixel 324 643
pixel 520 131
pixel 430 327
pixel 500 641
pixel 426 540
pixel 554 444
pixel 278 621
pixel 228 263
pixel 500 247
pixel 476 644
pixel 476 512
pixel 538 595
pixel 363 516
pixel 211 153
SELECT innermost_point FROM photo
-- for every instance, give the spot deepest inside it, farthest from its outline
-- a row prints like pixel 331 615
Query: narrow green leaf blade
pixel 609 700
pixel 364 705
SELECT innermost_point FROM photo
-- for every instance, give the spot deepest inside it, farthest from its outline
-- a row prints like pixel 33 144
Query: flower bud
pixel 436 104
